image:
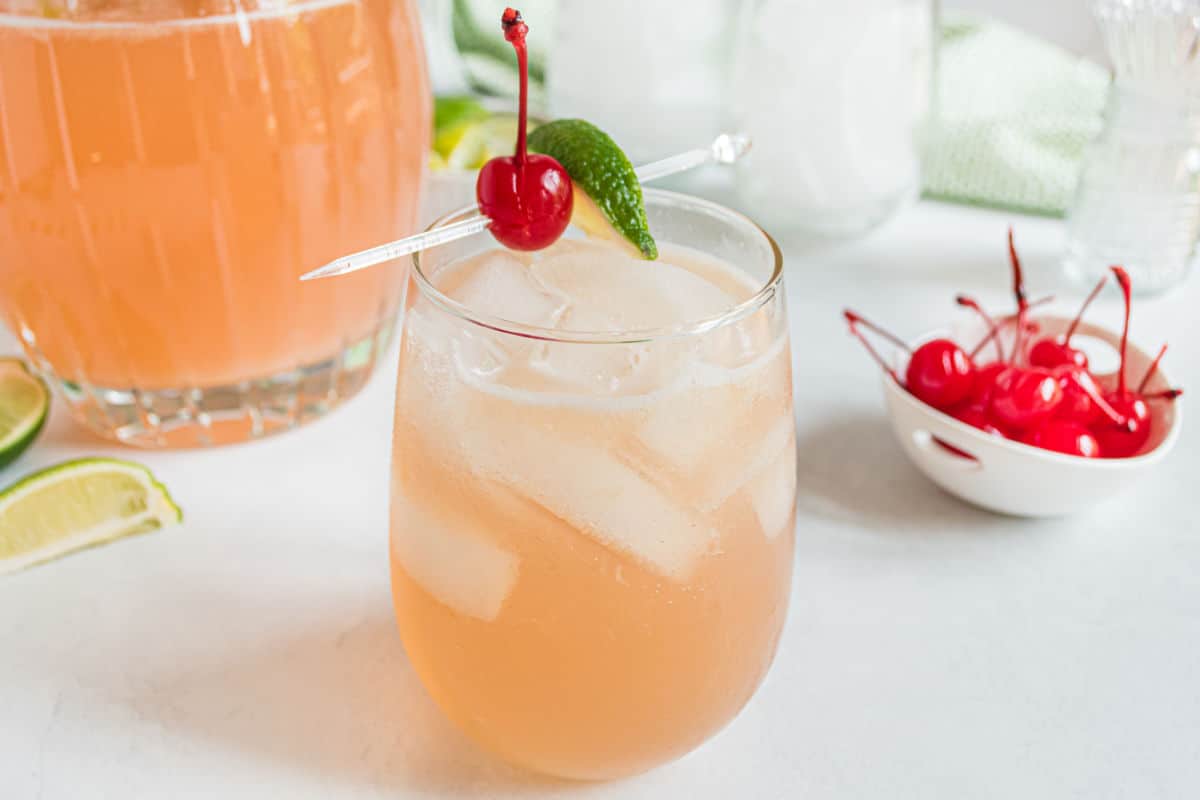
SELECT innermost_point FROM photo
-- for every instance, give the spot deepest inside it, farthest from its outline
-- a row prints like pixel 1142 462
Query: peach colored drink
pixel 163 182
pixel 592 543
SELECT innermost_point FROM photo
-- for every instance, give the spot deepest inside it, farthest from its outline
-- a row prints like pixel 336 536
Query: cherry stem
pixel 1153 368
pixel 1166 394
pixel 1126 292
pixel 1114 416
pixel 854 320
pixel 515 30
pixel 1005 321
pixel 1083 308
pixel 973 304
pixel 1019 294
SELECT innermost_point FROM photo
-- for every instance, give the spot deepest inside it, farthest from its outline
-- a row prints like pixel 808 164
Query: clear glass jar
pixel 836 97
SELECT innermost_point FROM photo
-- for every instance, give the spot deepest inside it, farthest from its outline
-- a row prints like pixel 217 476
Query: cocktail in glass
pixel 168 169
pixel 593 487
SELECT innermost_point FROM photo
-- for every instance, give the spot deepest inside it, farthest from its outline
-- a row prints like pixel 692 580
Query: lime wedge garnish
pixel 606 187
pixel 24 402
pixel 451 110
pixel 78 504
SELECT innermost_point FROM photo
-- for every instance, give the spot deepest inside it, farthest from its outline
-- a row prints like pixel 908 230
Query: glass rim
pixel 763 295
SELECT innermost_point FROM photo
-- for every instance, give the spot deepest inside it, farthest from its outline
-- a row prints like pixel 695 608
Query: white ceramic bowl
pixel 1012 478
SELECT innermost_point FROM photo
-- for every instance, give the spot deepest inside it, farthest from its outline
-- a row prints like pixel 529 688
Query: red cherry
pixel 1024 398
pixel 1057 352
pixel 528 203
pixel 527 197
pixel 1083 402
pixel 976 416
pixel 1127 439
pixel 940 373
pixel 1064 436
pixel 985 383
pixel 1051 353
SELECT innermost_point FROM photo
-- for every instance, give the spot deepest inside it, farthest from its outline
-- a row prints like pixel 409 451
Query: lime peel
pixel 603 172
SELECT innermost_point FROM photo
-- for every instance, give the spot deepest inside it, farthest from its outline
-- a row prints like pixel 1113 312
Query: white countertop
pixel 933 651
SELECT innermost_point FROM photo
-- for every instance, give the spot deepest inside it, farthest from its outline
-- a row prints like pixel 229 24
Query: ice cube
pixel 685 428
pixel 601 367
pixel 497 284
pixel 445 553
pixel 773 491
pixel 628 293
pixel 690 432
pixel 728 475
pixel 592 489
pixel 500 284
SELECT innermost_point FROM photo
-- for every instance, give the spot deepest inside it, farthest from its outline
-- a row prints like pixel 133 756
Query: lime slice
pixel 451 110
pixel 469 144
pixel 610 189
pixel 24 402
pixel 78 504
pixel 461 145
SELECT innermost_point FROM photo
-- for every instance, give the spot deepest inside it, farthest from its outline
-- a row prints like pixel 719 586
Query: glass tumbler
pixel 169 169
pixel 592 529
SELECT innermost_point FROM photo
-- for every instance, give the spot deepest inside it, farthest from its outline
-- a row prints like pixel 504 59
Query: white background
pixel 933 651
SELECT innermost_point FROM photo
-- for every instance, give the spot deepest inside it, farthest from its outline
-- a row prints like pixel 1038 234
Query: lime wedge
pixel 451 110
pixel 610 189
pixel 470 143
pixel 24 402
pixel 78 504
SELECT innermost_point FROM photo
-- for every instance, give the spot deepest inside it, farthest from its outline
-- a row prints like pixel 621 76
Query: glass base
pixel 207 416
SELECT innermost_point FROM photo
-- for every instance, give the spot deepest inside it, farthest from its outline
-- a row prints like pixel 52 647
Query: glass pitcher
pixel 168 168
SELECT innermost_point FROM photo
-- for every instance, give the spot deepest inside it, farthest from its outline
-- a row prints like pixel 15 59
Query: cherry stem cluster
pixel 993 328
pixel 1005 321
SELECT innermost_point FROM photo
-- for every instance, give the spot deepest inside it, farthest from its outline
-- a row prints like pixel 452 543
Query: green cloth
pixel 1014 116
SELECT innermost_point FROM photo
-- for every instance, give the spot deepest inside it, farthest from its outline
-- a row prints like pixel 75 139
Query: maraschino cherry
pixel 1044 396
pixel 939 372
pixel 527 196
pixel 1064 436
pixel 1056 352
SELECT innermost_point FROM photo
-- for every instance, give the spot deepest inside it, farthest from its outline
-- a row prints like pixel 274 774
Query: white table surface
pixel 932 651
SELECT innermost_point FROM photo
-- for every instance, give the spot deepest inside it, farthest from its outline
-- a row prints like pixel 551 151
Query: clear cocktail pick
pixel 725 149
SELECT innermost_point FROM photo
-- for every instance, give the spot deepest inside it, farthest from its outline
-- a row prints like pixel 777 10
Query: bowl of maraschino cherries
pixel 1020 421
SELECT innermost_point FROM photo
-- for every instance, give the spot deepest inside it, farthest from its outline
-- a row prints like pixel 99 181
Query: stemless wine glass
pixel 592 525
pixel 167 171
